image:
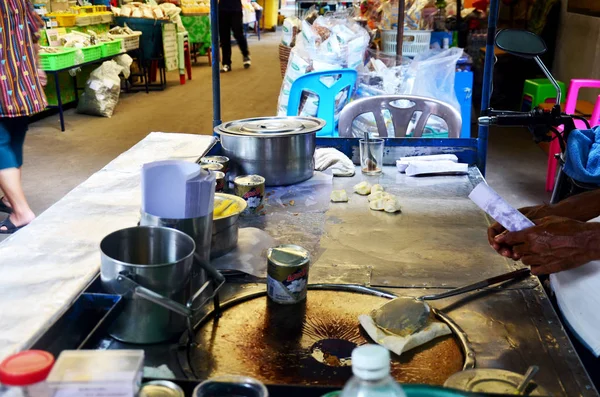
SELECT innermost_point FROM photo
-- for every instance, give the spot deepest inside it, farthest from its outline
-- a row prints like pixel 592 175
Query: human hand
pixel 43 78
pixel 554 244
pixel 496 229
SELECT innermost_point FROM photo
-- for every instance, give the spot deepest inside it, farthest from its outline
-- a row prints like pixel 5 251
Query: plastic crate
pixel 100 8
pixel 415 42
pixel 130 41
pixel 60 60
pixel 92 53
pixel 96 18
pixel 65 20
pixel 83 20
pixel 106 17
pixel 110 48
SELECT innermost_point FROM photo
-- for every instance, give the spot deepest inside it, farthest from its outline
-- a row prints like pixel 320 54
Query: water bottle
pixel 371 369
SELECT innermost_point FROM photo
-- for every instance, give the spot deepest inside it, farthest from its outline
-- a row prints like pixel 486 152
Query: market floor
pixel 56 162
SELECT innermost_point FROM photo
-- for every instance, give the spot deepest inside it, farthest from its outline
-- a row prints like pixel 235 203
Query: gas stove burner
pixel 333 352
pixel 309 343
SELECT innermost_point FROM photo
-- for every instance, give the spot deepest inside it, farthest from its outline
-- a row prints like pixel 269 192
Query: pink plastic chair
pixel 570 105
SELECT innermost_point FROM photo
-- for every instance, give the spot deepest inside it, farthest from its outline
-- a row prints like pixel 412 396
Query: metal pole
pixel 400 35
pixel 486 89
pixel 216 78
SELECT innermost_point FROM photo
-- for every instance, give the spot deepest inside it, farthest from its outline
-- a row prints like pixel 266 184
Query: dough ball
pixel 377 205
pixel 376 188
pixel 363 188
pixel 391 205
pixel 378 195
pixel 339 196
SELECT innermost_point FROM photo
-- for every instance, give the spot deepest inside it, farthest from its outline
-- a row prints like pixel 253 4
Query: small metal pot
pixel 157 260
pixel 280 149
pixel 225 230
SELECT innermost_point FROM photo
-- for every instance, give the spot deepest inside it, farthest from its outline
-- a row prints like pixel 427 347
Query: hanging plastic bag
pixel 431 74
pixel 102 90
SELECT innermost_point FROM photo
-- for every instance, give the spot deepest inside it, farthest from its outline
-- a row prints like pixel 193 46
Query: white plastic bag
pixel 102 91
pixel 431 74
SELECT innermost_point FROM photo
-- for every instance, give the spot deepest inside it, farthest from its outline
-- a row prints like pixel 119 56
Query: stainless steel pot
pixel 280 149
pixel 157 259
pixel 225 229
pixel 200 230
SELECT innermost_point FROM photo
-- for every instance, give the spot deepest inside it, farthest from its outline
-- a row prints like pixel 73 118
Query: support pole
pixel 486 89
pixel 216 78
pixel 400 35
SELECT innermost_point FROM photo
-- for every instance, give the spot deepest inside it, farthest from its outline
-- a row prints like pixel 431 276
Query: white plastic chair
pixel 401 108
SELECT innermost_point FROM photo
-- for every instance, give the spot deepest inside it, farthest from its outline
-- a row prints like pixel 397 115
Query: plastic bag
pixel 431 74
pixel 102 90
pixel 125 62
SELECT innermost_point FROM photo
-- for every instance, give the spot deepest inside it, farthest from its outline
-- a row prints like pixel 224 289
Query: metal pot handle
pixel 152 296
pixel 218 281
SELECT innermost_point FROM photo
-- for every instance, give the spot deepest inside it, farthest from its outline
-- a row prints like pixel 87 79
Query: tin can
pixel 161 388
pixel 220 185
pixel 252 189
pixel 212 167
pixel 224 161
pixel 287 273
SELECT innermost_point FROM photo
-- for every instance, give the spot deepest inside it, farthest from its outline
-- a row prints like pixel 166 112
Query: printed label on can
pixel 287 284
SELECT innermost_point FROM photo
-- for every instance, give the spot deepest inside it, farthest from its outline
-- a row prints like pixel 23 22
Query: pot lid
pixel 272 126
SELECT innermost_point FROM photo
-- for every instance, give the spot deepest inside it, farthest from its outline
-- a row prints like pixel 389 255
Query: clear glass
pixel 371 156
pixel 386 387
pixel 231 386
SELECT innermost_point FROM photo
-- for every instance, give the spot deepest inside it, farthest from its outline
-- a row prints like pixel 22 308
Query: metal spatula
pixel 404 315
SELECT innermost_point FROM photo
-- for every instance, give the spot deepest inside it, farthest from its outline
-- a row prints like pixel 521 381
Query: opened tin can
pixel 224 161
pixel 220 178
pixel 252 189
pixel 287 273
pixel 212 167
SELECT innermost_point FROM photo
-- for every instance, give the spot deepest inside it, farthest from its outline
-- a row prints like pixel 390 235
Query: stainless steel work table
pixel 438 241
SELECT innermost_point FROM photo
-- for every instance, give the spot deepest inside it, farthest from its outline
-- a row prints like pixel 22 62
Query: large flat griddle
pixel 307 344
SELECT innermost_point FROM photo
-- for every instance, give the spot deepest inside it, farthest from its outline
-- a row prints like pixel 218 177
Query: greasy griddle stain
pixel 274 343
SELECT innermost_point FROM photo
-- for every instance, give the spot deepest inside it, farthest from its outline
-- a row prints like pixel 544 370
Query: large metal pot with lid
pixel 280 149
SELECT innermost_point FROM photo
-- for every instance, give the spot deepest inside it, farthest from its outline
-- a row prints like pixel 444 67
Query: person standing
pixel 21 95
pixel 231 20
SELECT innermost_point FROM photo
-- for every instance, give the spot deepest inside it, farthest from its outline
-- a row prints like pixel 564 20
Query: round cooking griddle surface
pixel 308 344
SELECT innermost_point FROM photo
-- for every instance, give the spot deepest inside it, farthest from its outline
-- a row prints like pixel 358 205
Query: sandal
pixel 10 227
pixel 5 208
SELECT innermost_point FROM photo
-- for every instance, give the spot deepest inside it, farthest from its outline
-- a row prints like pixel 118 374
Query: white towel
pixel 332 158
pixel 403 163
pixel 443 167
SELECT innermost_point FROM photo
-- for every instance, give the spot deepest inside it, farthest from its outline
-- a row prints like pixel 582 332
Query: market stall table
pixel 56 73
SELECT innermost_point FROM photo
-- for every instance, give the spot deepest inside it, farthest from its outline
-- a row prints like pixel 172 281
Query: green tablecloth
pixel 198 28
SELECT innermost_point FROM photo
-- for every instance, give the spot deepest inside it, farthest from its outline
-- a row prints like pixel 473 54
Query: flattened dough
pixel 400 344
pixel 363 188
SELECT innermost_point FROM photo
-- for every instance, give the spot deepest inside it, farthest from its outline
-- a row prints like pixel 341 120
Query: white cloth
pixel 444 167
pixel 403 163
pixel 577 295
pixel 401 344
pixel 332 158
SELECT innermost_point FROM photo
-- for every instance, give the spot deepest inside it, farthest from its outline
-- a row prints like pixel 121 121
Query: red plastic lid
pixel 26 368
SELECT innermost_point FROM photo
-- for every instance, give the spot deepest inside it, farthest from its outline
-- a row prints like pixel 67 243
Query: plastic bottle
pixel 371 369
pixel 24 374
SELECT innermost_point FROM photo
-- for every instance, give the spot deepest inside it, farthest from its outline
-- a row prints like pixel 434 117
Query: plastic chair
pixel 312 82
pixel 401 114
pixel 571 103
pixel 536 91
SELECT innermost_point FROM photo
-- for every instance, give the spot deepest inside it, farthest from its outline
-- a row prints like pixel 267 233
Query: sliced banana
pixel 363 188
pixel 339 196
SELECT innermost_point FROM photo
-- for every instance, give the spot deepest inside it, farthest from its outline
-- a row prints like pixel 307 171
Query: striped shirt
pixel 21 93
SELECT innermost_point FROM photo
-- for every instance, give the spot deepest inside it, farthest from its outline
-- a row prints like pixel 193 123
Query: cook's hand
pixel 554 244
pixel 534 212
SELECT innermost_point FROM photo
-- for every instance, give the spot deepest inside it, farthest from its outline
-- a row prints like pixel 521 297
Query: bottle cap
pixel 26 368
pixel 370 362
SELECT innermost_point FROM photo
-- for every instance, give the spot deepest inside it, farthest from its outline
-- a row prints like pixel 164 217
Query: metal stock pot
pixel 280 149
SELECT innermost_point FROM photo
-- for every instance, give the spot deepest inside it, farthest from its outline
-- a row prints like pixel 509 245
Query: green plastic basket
pixel 92 53
pixel 59 60
pixel 111 48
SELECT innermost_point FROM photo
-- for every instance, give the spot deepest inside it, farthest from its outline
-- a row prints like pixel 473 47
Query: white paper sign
pixel 495 206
